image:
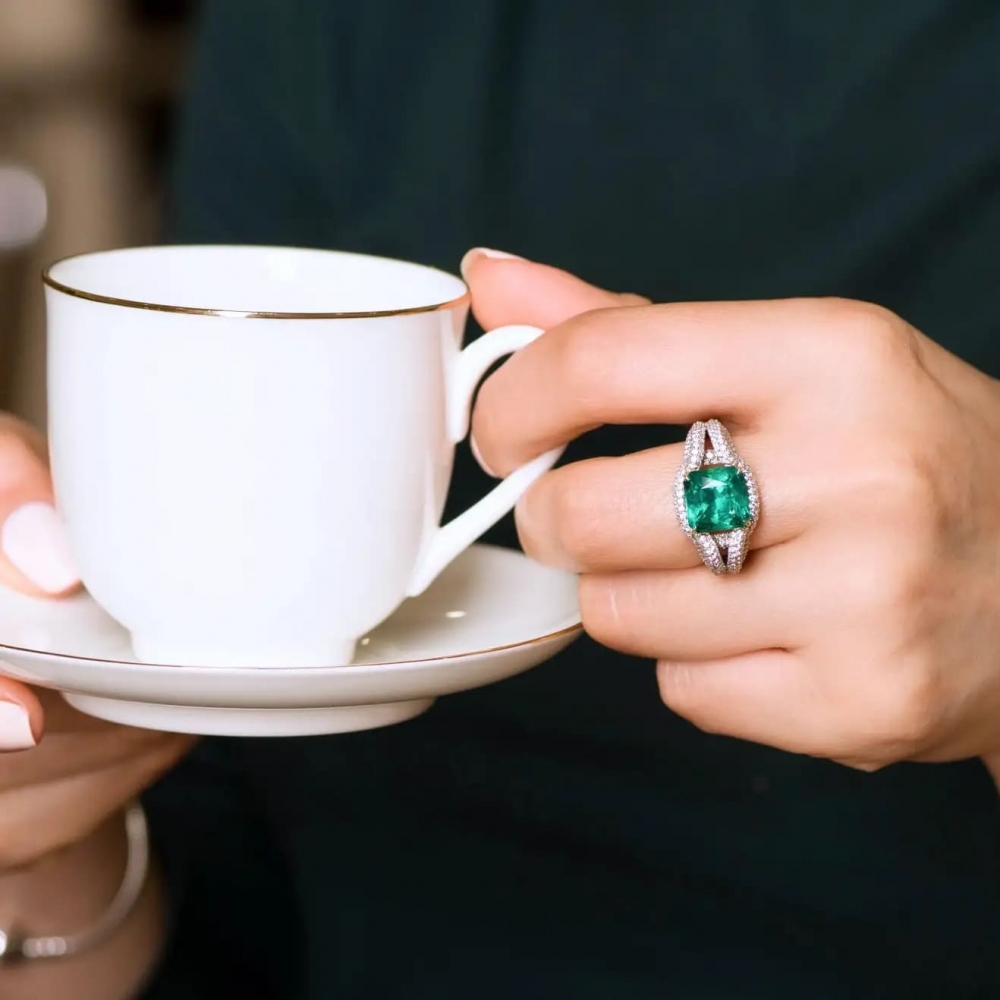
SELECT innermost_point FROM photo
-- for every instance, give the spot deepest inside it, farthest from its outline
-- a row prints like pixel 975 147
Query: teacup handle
pixel 459 533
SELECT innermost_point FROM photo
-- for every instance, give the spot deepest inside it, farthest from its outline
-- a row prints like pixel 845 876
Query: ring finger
pixel 608 515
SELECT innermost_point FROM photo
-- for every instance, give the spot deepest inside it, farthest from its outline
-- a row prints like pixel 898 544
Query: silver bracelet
pixel 14 948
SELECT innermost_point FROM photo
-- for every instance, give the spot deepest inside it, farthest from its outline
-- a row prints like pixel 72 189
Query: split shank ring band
pixel 716 497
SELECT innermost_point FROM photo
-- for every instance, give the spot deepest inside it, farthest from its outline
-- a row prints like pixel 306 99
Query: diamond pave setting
pixel 728 500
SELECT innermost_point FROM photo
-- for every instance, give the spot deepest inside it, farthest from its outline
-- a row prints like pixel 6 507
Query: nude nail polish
pixel 474 448
pixel 34 541
pixel 15 728
pixel 485 252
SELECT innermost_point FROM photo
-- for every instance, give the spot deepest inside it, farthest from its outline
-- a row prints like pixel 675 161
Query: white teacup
pixel 251 446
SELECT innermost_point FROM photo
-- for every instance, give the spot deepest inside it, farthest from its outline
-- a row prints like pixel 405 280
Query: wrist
pixel 66 896
pixel 68 889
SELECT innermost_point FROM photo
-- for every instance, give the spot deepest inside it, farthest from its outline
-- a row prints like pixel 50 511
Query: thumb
pixel 20 716
pixel 34 552
pixel 508 289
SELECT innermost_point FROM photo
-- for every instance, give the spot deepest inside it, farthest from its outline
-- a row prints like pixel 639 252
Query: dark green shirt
pixel 562 834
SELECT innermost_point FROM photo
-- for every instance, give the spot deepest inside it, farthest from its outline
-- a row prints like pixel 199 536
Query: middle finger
pixel 691 614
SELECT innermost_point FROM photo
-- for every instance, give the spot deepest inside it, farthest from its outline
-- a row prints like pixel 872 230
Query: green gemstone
pixel 717 499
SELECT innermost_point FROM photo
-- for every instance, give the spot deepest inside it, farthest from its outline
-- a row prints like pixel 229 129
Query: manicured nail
pixel 15 728
pixel 34 540
pixel 476 454
pixel 485 252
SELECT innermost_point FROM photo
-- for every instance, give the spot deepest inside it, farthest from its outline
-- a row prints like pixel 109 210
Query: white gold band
pixel 722 551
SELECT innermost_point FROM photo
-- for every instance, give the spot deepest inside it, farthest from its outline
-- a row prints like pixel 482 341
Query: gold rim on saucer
pixel 548 637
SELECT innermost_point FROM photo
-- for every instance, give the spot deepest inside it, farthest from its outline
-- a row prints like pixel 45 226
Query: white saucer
pixel 490 615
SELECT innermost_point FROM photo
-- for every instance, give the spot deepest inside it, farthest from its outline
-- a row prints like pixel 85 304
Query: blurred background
pixel 87 94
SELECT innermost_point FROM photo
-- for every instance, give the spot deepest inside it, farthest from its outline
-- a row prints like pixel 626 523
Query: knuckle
pixel 582 362
pixel 601 611
pixel 876 337
pixel 864 336
pixel 577 520
pixel 873 590
pixel 893 474
pixel 916 710
pixel 681 692
pixel 906 514
pixel 889 589
pixel 911 496
pixel 678 690
pixel 895 574
pixel 905 716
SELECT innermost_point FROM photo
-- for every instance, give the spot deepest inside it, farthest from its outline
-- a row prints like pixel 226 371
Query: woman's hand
pixel 61 787
pixel 865 626
pixel 64 777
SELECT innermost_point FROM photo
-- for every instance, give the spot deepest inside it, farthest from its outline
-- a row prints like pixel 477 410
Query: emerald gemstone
pixel 717 499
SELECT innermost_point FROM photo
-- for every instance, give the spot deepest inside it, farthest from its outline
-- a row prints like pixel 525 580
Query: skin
pixel 865 627
pixel 62 844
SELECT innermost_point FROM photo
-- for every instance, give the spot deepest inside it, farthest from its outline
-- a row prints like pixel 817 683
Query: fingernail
pixel 15 728
pixel 34 540
pixel 485 252
pixel 477 455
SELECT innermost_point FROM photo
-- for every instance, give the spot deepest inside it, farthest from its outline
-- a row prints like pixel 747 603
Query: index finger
pixel 670 364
